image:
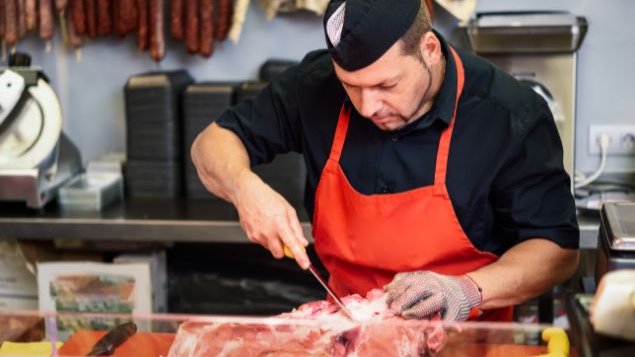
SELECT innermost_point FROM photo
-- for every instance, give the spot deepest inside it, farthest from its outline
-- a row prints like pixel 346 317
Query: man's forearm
pixel 525 271
pixel 220 159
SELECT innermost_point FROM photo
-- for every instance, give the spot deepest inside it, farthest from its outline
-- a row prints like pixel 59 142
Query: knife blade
pixel 320 279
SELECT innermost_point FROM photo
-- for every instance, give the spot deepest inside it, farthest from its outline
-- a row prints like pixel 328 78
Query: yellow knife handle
pixel 287 252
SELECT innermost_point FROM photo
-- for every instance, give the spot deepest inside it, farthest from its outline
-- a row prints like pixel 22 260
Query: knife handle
pixel 287 252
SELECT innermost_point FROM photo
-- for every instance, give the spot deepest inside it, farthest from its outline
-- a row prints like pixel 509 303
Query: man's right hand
pixel 268 219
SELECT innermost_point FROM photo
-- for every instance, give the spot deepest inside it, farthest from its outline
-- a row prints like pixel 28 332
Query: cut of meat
pixel 314 329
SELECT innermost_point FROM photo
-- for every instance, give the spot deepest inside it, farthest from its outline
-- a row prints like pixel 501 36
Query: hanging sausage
pixel 206 25
pixel 126 17
pixel 30 9
pixel 21 13
pixel 90 10
pixel 157 38
pixel 10 23
pixel 74 40
pixel 46 24
pixel 143 33
pixel 104 17
pixel 223 19
pixel 191 26
pixel 176 19
pixel 78 17
pixel 2 4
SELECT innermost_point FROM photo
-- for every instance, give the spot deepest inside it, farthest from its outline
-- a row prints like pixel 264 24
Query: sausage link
pixel 2 4
pixel 176 19
pixel 104 17
pixel 60 5
pixel 157 37
pixel 78 17
pixel 30 10
pixel 21 18
pixel 10 22
pixel 47 25
pixel 191 26
pixel 74 39
pixel 223 19
pixel 90 9
pixel 206 33
pixel 125 17
pixel 142 39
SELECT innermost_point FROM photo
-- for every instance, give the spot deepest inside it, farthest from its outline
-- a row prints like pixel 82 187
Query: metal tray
pixel 525 32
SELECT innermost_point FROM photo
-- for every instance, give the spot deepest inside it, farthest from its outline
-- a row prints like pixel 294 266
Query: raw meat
pixel 314 329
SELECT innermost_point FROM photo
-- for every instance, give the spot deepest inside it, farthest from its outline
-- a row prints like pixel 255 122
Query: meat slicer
pixel 36 158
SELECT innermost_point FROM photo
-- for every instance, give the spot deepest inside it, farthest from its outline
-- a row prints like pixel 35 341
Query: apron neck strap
pixel 441 167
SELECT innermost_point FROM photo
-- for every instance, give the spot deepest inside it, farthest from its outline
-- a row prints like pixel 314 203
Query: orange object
pixel 364 240
pixel 141 344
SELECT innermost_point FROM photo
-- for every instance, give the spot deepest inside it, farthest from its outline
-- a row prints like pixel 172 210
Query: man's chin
pixel 389 125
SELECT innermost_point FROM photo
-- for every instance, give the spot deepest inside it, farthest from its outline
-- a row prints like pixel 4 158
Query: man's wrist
pixel 473 292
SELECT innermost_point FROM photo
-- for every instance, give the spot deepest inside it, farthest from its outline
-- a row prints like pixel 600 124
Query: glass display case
pixel 82 334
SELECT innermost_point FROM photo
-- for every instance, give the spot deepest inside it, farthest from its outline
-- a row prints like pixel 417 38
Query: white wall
pixel 92 97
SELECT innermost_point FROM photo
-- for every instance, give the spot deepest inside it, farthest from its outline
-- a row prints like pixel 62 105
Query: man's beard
pixel 422 100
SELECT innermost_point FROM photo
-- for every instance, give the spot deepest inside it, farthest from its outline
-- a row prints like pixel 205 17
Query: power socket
pixel 622 139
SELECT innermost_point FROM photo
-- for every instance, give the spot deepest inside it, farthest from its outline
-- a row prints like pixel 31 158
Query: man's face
pixel 391 91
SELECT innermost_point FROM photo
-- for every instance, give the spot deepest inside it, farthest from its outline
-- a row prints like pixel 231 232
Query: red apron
pixel 364 240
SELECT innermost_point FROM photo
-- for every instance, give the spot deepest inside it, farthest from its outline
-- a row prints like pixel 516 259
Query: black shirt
pixel 505 174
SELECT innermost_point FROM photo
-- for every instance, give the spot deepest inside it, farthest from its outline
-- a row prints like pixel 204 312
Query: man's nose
pixel 370 103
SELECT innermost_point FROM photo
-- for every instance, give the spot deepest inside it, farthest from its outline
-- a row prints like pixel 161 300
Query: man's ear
pixel 430 48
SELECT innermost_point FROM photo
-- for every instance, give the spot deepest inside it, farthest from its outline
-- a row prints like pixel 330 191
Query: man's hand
pixel 422 294
pixel 268 219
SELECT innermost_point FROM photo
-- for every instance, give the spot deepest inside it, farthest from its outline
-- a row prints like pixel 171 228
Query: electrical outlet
pixel 622 139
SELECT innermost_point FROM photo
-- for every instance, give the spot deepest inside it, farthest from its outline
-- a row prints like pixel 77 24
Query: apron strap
pixel 443 152
pixel 340 133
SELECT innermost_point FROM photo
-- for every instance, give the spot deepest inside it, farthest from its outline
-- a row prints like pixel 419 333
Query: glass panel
pixel 77 334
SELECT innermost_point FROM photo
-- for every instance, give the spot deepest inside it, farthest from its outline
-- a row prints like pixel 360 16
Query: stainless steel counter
pixel 176 220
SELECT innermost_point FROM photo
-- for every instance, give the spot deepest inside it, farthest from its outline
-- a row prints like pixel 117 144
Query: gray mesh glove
pixel 422 294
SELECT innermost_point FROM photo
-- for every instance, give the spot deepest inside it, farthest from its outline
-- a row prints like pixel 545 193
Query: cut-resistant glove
pixel 423 294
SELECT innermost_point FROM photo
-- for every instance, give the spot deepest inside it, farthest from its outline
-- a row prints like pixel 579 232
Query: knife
pixel 321 280
pixel 114 338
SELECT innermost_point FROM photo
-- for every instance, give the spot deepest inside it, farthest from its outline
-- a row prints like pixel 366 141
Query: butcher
pixel 431 173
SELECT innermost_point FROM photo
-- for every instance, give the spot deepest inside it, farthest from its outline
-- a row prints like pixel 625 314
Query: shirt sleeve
pixel 532 193
pixel 269 123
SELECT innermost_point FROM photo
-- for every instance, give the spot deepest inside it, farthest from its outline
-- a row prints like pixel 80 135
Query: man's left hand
pixel 422 294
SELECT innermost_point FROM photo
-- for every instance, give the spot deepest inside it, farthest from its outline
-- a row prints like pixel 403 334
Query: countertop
pixel 179 220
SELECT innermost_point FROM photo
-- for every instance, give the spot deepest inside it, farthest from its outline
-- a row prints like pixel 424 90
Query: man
pixel 430 172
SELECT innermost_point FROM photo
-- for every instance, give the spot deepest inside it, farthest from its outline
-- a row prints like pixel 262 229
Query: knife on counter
pixel 338 301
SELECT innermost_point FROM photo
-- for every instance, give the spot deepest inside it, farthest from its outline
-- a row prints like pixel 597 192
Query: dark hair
pixel 421 25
